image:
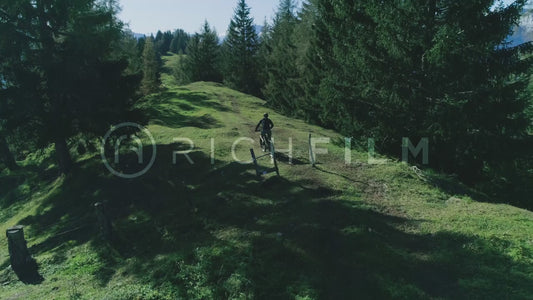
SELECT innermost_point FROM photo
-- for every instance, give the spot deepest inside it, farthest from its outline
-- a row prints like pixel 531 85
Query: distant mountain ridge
pixel 522 34
pixel 258 30
pixel 139 35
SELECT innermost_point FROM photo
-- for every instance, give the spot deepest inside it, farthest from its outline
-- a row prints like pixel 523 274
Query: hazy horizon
pixel 147 17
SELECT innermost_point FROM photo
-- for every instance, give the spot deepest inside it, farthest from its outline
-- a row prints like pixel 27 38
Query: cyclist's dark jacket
pixel 266 125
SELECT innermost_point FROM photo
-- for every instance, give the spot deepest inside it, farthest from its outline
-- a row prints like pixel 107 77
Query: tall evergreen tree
pixel 151 76
pixel 61 71
pixel 140 46
pixel 313 61
pixel 202 58
pixel 179 42
pixel 281 89
pixel 163 44
pixel 158 37
pixel 127 47
pixel 310 63
pixel 6 156
pixel 262 54
pixel 240 50
pixel 408 68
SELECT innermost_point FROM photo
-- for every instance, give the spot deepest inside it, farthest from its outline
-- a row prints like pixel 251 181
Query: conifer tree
pixel 202 58
pixel 6 156
pixel 436 69
pixel 240 50
pixel 60 76
pixel 314 59
pixel 140 46
pixel 282 89
pixel 151 76
pixel 309 63
pixel 163 44
pixel 179 42
pixel 262 54
pixel 158 38
pixel 127 47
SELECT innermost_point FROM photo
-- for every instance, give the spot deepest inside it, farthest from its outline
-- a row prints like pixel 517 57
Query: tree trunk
pixel 63 156
pixel 104 222
pixel 6 155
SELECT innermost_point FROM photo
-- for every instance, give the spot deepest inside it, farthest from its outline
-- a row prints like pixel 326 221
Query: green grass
pixel 208 231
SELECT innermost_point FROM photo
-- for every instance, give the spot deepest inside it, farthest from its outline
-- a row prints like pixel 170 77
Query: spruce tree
pixel 315 60
pixel 60 76
pixel 262 54
pixel 240 50
pixel 140 46
pixel 179 42
pixel 6 156
pixel 436 69
pixel 202 59
pixel 158 38
pixel 127 48
pixel 151 76
pixel 163 45
pixel 281 89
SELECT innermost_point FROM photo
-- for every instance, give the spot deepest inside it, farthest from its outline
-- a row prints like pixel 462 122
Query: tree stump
pixel 21 261
pixel 18 250
pixel 104 223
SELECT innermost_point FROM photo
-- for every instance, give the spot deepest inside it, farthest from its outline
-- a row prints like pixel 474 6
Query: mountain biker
pixel 266 128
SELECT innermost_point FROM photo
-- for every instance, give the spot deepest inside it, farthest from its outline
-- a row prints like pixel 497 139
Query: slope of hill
pixel 216 231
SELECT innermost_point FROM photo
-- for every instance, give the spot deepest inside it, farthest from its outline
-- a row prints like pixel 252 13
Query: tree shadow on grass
pixel 451 185
pixel 283 240
pixel 223 232
pixel 17 187
pixel 198 99
pixel 176 120
pixel 309 239
pixel 171 117
pixel 505 195
pixel 164 110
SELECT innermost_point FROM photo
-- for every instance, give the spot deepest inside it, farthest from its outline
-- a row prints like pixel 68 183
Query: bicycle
pixel 264 141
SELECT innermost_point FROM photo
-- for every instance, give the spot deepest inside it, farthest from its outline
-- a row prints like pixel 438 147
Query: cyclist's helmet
pixel 265 115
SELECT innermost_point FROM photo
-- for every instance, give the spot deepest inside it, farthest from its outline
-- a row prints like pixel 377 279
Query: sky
pixel 148 16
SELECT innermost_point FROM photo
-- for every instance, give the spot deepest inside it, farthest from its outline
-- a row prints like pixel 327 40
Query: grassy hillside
pixel 216 231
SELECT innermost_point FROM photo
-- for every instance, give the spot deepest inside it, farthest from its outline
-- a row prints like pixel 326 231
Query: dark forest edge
pixel 438 69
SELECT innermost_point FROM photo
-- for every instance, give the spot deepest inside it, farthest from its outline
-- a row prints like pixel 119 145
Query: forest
pixel 439 70
pixel 373 72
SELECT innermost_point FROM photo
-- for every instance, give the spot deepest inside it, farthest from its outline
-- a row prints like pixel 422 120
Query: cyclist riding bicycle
pixel 266 129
